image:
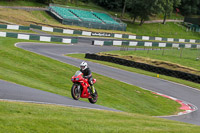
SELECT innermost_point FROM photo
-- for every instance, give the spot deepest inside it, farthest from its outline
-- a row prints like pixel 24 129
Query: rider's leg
pixel 93 89
pixel 91 85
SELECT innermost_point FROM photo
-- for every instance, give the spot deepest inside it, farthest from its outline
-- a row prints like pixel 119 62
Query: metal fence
pixel 184 53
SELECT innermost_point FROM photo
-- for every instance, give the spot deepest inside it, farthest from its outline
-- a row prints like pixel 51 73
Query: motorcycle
pixel 81 88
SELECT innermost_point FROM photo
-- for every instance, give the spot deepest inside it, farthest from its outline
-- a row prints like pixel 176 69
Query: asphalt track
pixel 14 92
pixel 54 51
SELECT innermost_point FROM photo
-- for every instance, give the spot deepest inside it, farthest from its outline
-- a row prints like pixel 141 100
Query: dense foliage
pixel 190 7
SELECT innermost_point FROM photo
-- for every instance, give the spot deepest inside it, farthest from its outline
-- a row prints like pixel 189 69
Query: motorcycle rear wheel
pixel 93 100
pixel 76 91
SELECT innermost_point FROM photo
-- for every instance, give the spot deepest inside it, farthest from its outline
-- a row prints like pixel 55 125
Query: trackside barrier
pixel 37 37
pixel 146 67
pixel 88 33
pixel 145 44
pixel 14 27
pixel 155 38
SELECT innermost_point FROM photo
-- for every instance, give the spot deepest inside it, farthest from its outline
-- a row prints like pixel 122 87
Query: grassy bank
pixel 25 117
pixel 21 3
pixel 176 59
pixel 188 83
pixel 17 31
pixel 46 74
pixel 168 30
pixel 26 17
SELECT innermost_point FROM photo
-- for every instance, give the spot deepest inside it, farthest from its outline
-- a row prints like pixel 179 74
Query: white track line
pixel 35 102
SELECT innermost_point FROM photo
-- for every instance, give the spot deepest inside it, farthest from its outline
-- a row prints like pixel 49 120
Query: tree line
pixel 141 9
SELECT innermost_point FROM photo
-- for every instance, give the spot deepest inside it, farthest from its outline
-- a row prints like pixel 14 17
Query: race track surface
pixel 11 91
pixel 57 52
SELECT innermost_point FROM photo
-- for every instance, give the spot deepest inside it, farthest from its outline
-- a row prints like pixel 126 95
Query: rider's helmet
pixel 83 65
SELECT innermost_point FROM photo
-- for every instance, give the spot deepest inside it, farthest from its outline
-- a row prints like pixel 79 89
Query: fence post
pixel 148 50
pixel 163 51
pixel 181 52
pixel 198 54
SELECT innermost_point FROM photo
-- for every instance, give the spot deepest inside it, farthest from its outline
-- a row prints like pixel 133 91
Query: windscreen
pixel 77 73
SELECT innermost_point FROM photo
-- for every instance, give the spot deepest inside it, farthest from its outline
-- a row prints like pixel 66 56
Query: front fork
pixel 78 88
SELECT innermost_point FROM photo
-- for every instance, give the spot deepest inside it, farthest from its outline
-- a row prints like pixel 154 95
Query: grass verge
pixel 168 30
pixel 175 59
pixel 26 117
pixel 21 3
pixel 17 31
pixel 36 71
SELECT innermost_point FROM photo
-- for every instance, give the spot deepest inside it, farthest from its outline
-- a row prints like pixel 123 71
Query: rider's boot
pixel 93 90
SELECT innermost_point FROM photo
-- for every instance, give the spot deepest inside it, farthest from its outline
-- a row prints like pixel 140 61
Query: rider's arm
pixel 89 74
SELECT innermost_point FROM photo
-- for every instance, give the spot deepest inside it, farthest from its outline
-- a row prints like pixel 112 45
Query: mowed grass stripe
pixel 27 117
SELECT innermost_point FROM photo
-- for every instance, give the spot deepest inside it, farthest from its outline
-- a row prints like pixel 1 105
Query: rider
pixel 87 74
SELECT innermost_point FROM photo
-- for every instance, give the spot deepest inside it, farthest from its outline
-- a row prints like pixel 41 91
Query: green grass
pixel 26 117
pixel 188 83
pixel 169 30
pixel 188 57
pixel 172 16
pixel 88 6
pixel 21 3
pixel 36 71
pixel 18 31
pixel 44 17
pixel 26 17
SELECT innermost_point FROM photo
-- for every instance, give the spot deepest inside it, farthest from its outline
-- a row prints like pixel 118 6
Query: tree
pixel 148 8
pixel 11 0
pixel 124 8
pixel 134 9
pixel 168 6
pixel 110 4
pixel 76 2
pixel 144 9
pixel 190 7
pixel 44 1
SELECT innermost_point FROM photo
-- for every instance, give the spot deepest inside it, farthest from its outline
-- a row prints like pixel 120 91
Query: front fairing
pixel 77 77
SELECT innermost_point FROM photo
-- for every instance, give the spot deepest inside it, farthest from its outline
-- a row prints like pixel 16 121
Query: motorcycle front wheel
pixel 93 100
pixel 76 91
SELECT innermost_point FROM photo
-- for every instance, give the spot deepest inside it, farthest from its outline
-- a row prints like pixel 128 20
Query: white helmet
pixel 83 65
